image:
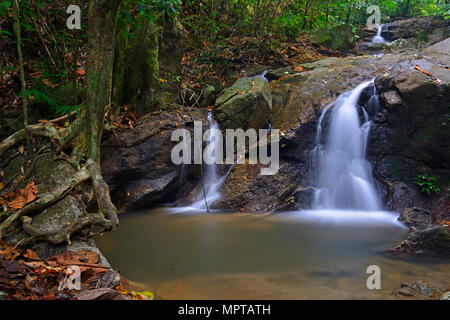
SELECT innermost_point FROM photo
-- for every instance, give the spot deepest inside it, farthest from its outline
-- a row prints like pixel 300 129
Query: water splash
pixel 211 181
pixel 343 175
pixel 379 38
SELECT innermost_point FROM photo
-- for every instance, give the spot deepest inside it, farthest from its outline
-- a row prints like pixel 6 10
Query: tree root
pixel 55 238
pixel 46 199
pixel 40 130
pixel 106 217
pixel 105 205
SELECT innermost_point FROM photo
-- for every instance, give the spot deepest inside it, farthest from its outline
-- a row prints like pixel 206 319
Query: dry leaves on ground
pixel 24 196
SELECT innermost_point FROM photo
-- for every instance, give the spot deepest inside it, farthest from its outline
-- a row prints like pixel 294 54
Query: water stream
pixel 343 175
pixel 379 38
pixel 245 256
pixel 317 254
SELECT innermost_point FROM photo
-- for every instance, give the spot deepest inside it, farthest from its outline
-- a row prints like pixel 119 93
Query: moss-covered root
pixel 46 199
pixel 38 130
pixel 105 205
pixel 64 236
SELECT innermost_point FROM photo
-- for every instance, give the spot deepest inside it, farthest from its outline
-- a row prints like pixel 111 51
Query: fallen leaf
pixel 299 69
pixel 81 71
pixel 24 196
pixel 30 254
pixel 423 71
pixel 21 149
pixel 70 257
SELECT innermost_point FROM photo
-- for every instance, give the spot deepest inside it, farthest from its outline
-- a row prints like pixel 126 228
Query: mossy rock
pixel 57 217
pixel 246 104
pixel 51 174
pixel 338 38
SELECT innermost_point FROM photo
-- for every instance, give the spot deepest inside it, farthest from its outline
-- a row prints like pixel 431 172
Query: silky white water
pixel 210 191
pixel 343 175
pixel 378 38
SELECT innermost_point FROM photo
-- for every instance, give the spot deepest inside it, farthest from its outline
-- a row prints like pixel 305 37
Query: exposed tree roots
pixel 105 218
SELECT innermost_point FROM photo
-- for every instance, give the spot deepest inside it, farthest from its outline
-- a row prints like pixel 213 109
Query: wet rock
pixel 406 292
pixel 137 164
pixel 416 217
pixel 246 104
pixel 422 288
pixel 208 96
pixel 435 239
pixel 257 69
pixel 429 29
pixel 446 296
pixel 276 74
pixel 392 99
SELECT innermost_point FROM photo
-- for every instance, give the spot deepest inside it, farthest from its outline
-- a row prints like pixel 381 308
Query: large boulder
pixel 246 104
pixel 339 38
pixel 416 137
pixel 404 138
pixel 434 239
pixel 137 164
pixel 428 30
pixel 416 217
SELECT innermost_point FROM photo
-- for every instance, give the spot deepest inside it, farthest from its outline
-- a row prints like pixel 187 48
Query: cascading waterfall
pixel 343 175
pixel 378 38
pixel 211 180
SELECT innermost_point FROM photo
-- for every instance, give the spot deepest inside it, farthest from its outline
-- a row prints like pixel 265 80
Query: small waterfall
pixel 378 38
pixel 343 175
pixel 211 180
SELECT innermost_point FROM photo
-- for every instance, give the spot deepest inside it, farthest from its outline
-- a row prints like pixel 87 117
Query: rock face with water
pixel 407 136
pixel 429 29
pixel 137 163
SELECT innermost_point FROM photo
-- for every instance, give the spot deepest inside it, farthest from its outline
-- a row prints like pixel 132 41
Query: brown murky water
pixel 242 256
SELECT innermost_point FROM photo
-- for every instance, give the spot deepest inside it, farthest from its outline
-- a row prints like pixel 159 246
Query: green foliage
pixel 427 184
pixel 212 19
pixel 44 98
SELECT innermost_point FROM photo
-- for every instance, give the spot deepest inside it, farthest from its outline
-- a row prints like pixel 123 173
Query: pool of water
pixel 298 255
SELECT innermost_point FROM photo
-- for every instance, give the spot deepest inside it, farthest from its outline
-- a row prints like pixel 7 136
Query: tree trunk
pixel 99 68
pixel 119 68
pixel 17 31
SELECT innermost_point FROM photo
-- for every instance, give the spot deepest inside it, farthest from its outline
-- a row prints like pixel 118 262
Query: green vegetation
pixel 215 20
pixel 427 184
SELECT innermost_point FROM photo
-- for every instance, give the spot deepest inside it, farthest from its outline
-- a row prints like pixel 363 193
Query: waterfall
pixel 378 38
pixel 211 180
pixel 343 175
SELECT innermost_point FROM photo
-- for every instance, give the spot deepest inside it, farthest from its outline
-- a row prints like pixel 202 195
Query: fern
pixel 43 97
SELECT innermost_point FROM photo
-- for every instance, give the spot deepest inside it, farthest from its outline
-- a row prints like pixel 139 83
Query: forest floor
pixel 25 276
pixel 233 57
